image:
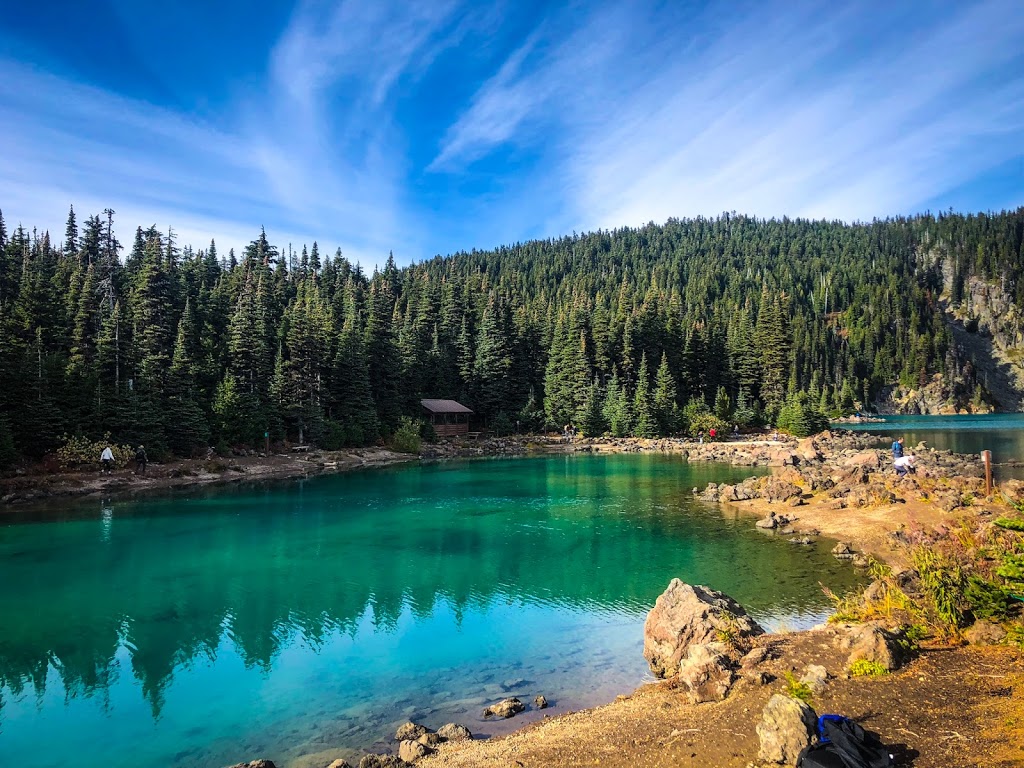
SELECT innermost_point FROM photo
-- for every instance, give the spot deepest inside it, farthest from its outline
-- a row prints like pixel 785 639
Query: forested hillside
pixel 634 331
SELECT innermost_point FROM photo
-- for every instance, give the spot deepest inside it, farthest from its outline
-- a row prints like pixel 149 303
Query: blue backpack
pixel 844 744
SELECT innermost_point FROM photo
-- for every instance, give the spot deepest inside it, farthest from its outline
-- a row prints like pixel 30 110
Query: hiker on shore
pixel 897 448
pixel 905 464
pixel 106 461
pixel 735 430
pixel 566 432
pixel 140 461
pixel 700 437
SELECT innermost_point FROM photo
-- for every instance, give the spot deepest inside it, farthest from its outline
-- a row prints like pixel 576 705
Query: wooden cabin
pixel 447 417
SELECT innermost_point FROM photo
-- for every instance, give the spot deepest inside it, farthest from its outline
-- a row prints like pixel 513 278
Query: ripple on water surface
pixel 297 618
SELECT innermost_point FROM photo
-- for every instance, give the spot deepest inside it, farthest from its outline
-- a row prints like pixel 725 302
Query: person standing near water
pixel 106 461
pixel 140 461
pixel 897 449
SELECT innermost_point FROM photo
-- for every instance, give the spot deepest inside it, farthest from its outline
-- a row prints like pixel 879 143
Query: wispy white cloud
pixel 839 113
pixel 594 115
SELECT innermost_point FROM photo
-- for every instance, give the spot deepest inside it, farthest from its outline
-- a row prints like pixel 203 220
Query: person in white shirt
pixel 905 464
pixel 107 460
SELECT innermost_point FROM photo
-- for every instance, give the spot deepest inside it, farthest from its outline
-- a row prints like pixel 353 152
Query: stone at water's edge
pixel 787 726
pixel 686 615
pixel 454 732
pixel 410 731
pixel 411 751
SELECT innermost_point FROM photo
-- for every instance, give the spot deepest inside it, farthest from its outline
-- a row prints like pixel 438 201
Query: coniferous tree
pixel 645 424
pixel 666 408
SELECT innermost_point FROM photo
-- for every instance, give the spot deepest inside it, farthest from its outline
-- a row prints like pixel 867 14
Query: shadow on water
pixel 322 612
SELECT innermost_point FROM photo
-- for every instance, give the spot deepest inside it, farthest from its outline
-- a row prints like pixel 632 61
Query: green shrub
pixel 1015 636
pixel 407 437
pixel 945 587
pixel 987 600
pixel 502 425
pixel 796 689
pixel 707 422
pixel 78 451
pixel 1010 524
pixel 865 668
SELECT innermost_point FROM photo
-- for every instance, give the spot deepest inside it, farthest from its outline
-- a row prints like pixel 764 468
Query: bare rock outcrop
pixel 686 615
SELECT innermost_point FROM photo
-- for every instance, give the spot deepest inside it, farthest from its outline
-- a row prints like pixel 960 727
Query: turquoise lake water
pixel 304 621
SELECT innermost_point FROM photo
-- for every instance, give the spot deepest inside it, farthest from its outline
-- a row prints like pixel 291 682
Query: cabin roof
pixel 444 406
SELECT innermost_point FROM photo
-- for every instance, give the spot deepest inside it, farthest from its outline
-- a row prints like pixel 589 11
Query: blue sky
pixel 432 127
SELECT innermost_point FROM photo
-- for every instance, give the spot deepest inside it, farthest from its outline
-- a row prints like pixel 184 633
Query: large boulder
pixel 340 763
pixel 454 732
pixel 777 489
pixel 705 674
pixel 807 450
pixel 873 642
pixel 686 615
pixel 787 726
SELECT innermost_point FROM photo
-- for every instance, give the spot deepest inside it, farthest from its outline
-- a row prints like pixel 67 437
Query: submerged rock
pixel 505 708
pixel 540 702
pixel 686 615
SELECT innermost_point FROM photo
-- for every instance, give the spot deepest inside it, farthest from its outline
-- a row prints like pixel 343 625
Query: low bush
pixel 866 668
pixel 797 689
pixel 407 437
pixel 78 452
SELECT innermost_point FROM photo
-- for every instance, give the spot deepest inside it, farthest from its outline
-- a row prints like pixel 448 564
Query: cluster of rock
pixel 465 448
pixel 851 475
pixel 704 641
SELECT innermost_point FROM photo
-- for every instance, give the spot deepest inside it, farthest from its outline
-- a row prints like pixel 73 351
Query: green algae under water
pixel 303 621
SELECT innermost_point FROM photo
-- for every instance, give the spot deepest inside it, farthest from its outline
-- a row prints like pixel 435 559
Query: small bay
pixel 311 617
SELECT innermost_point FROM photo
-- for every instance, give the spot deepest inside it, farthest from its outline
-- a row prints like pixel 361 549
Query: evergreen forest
pixel 648 331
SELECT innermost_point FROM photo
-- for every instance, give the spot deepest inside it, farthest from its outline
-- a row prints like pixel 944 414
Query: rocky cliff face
pixel 988 356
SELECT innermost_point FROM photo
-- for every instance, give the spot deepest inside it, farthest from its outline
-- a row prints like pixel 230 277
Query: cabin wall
pixel 450 430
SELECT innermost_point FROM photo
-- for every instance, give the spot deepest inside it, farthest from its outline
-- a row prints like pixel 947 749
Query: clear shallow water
pixel 1001 433
pixel 306 620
